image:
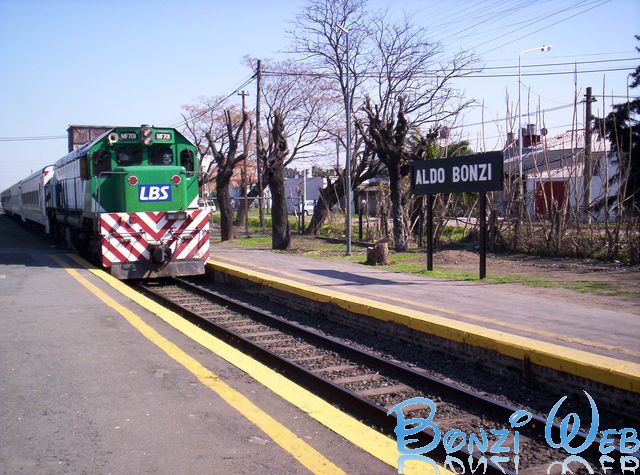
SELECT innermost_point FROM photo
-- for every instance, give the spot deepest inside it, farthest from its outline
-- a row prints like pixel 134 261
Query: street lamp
pixel 539 48
pixel 347 165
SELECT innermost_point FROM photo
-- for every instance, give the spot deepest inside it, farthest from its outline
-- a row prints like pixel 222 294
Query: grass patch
pixel 420 268
pixel 414 262
pixel 594 287
pixel 257 242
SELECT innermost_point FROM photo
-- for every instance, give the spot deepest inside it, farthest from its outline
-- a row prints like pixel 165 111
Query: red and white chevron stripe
pixel 128 237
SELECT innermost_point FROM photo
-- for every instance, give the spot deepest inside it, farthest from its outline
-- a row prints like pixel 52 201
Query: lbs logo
pixel 154 192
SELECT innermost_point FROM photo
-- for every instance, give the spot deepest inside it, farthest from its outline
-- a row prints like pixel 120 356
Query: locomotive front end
pixel 147 190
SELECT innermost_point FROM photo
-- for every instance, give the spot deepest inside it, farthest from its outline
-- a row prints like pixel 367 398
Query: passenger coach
pixel 27 198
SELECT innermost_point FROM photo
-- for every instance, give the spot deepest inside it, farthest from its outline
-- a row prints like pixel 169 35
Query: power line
pixel 465 14
pixel 489 22
pixel 523 20
pixel 538 30
pixel 515 66
pixel 435 76
pixel 608 53
pixel 484 16
pixel 31 138
pixel 565 127
pixel 209 109
pixel 179 124
pixel 548 73
pixel 545 65
pixel 500 119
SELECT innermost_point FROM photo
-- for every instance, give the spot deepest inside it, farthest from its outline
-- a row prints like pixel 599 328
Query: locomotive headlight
pixel 133 180
pixel 175 179
pixel 177 215
pixel 146 135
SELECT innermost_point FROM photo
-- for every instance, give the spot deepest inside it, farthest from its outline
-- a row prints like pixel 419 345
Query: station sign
pixel 475 173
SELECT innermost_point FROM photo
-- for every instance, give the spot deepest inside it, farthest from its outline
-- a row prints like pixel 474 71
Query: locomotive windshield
pixel 128 156
pixel 160 155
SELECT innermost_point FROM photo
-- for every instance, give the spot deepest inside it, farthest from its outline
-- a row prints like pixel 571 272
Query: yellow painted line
pixel 369 440
pixel 468 316
pixel 610 371
pixel 518 327
pixel 300 450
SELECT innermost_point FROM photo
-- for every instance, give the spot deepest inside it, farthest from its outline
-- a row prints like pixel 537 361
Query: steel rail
pixel 339 395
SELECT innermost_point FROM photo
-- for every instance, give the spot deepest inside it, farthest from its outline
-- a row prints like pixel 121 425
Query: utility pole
pixel 338 156
pixel 587 173
pixel 244 175
pixel 520 200
pixel 258 157
pixel 347 161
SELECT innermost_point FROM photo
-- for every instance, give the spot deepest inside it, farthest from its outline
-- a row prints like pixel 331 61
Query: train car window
pixel 59 195
pixel 128 156
pixel 186 160
pixel 160 155
pixel 101 162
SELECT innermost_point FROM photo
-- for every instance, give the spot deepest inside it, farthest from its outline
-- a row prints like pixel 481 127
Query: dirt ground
pixel 612 285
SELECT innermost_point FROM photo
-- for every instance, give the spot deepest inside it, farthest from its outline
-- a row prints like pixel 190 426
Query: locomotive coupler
pixel 161 253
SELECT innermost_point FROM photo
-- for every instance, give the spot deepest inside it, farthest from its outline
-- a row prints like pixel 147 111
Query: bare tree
pixel 202 118
pixel 319 40
pixel 304 103
pixel 410 88
pixel 216 129
pixel 276 155
pixel 405 79
pixel 224 149
pixel 365 167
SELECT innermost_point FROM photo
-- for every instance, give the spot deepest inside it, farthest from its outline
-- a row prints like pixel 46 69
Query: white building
pixel 553 171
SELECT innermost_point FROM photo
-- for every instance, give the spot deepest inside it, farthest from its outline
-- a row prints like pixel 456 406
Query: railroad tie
pixel 304 359
pixel 335 369
pixel 382 390
pixel 356 379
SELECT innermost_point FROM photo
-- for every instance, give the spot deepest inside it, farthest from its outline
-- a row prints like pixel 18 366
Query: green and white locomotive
pixel 128 198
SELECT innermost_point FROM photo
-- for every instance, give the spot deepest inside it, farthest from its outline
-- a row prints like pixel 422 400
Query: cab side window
pixel 186 160
pixel 101 162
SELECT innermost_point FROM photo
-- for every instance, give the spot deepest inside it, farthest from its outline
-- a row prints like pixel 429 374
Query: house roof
pixel 536 160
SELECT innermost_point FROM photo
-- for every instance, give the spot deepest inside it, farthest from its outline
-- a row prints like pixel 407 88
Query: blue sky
pixel 139 61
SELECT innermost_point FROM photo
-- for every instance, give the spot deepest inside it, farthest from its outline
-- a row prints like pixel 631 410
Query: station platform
pixel 588 340
pixel 94 379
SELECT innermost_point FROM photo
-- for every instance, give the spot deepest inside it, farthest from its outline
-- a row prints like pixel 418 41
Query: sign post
pixel 480 173
pixel 429 231
pixel 483 234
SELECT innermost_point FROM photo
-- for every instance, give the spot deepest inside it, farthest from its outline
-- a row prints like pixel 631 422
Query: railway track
pixel 365 384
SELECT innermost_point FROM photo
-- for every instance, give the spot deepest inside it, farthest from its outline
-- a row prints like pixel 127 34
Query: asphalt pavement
pixel 83 390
